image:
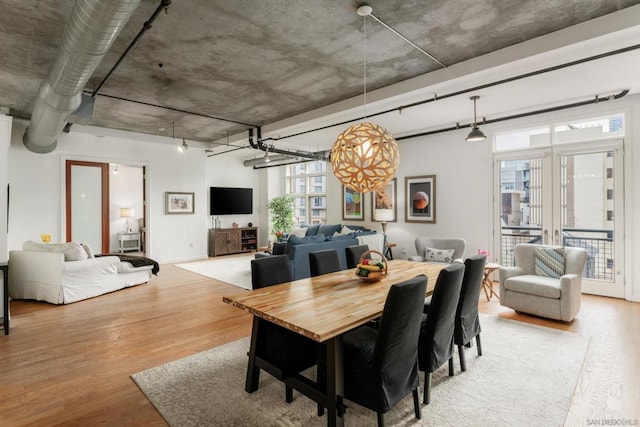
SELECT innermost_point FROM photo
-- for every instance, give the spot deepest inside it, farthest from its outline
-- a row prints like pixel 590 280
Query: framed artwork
pixel 179 203
pixel 352 204
pixel 386 199
pixel 420 198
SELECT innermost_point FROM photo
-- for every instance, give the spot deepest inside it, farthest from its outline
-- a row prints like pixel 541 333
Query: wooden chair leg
pixel 463 362
pixel 427 388
pixel 288 392
pixel 479 345
pixel 451 373
pixel 380 419
pixel 416 403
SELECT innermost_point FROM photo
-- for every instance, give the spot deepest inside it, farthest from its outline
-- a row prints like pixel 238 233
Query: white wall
pixel 37 188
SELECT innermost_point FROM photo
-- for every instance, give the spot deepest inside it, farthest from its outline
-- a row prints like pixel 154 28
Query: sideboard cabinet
pixel 225 241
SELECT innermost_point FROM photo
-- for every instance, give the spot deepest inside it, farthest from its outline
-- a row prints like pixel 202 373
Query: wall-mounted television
pixel 230 201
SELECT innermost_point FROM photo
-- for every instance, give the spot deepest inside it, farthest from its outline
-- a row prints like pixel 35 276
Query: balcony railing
pixel 597 242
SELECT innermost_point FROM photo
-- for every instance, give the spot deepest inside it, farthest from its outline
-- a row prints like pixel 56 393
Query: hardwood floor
pixel 70 365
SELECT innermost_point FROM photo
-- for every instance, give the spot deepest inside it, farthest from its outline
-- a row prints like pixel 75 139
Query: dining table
pixel 324 308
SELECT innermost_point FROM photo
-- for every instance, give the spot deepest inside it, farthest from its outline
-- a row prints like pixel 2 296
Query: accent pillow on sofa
pixel 312 230
pixel 72 251
pixel 549 262
pixel 297 231
pixel 438 255
pixel 329 229
pixel 88 250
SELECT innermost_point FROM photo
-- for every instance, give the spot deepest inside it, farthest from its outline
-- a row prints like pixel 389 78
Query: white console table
pixel 128 242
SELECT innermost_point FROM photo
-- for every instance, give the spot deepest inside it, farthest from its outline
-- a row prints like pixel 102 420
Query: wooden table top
pixel 326 306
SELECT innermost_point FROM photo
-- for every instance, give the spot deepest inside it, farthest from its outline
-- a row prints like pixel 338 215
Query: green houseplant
pixel 281 209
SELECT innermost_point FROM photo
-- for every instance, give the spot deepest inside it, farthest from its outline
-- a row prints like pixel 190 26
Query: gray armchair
pixel 457 244
pixel 523 290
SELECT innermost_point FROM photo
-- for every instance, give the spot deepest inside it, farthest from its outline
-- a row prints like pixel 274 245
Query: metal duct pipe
pixel 272 158
pixel 91 30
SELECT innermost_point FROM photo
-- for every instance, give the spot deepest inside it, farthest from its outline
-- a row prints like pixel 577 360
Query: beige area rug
pixel 235 270
pixel 526 377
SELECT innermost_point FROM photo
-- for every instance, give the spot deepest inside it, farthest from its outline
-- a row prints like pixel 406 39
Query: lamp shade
pixel 383 215
pixel 126 212
pixel 365 157
pixel 475 135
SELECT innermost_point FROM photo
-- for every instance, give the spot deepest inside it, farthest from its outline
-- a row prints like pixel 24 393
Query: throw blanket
pixel 137 261
pixel 374 241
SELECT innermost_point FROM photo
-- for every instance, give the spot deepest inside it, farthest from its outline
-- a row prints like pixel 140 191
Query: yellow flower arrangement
pixel 46 238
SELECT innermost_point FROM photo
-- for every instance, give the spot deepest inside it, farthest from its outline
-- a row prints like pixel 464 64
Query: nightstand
pixel 128 242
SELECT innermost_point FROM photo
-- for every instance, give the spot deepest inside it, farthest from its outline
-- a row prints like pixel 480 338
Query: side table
pixel 487 283
pixel 128 242
pixel 387 251
pixel 4 266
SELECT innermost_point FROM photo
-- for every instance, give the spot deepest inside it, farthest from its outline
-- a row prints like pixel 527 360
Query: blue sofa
pixel 320 238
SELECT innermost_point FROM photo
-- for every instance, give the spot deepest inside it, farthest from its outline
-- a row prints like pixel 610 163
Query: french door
pixel 567 195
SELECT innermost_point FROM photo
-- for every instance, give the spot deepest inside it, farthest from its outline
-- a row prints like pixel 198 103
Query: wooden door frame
pixel 104 169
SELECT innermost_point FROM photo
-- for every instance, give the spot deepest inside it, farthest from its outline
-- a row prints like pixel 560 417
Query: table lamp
pixel 126 213
pixel 383 215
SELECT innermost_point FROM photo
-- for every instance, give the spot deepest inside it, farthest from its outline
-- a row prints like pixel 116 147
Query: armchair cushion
pixel 438 255
pixel 549 262
pixel 547 287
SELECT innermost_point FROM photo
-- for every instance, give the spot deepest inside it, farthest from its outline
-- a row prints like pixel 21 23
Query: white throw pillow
pixel 88 250
pixel 299 232
pixel 346 230
pixel 438 255
pixel 72 251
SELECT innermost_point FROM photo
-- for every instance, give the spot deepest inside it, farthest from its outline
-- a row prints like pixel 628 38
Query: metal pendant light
pixel 476 134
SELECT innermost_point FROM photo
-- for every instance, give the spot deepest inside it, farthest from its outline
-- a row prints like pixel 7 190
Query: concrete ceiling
pixel 279 63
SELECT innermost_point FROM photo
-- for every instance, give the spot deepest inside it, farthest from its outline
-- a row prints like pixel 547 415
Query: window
pixel 307 182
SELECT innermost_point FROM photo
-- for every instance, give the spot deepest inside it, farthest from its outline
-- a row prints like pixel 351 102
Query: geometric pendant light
pixel 365 156
pixel 475 134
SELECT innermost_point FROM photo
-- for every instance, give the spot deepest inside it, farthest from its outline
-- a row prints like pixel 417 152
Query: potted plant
pixel 281 209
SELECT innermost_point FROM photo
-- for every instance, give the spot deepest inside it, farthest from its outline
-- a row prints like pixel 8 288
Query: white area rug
pixel 526 377
pixel 235 270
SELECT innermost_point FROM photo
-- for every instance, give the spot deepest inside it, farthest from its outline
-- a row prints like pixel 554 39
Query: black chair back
pixel 324 262
pixel 270 270
pixel 467 320
pixel 436 335
pixel 398 333
pixel 353 254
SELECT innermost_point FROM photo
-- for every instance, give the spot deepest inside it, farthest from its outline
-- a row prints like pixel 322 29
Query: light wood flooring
pixel 71 365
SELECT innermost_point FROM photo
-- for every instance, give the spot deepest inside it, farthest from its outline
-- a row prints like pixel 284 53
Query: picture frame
pixel 179 203
pixel 385 199
pixel 352 204
pixel 420 199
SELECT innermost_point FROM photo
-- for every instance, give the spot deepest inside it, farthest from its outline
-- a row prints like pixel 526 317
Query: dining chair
pixel 324 262
pixel 467 318
pixel 288 352
pixel 380 365
pixel 435 346
pixel 353 254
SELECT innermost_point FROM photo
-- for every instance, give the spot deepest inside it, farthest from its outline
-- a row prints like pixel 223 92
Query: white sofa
pixel 53 277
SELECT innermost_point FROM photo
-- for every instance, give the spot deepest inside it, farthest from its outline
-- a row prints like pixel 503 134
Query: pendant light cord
pixel 364 107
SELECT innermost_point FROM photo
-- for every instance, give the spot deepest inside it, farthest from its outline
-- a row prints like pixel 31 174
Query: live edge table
pixel 323 308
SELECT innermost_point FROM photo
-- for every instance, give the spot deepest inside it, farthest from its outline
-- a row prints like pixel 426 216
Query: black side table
pixel 4 266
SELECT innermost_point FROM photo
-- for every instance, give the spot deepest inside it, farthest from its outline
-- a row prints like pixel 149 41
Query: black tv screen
pixel 230 201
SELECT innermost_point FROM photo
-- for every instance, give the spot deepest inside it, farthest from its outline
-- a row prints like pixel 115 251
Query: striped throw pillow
pixel 549 262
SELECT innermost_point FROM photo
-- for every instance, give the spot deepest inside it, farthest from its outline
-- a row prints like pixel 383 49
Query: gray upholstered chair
pixel 443 244
pixel 530 286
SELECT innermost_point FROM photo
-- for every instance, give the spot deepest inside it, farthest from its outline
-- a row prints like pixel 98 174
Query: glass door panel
pixel 590 214
pixel 522 203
